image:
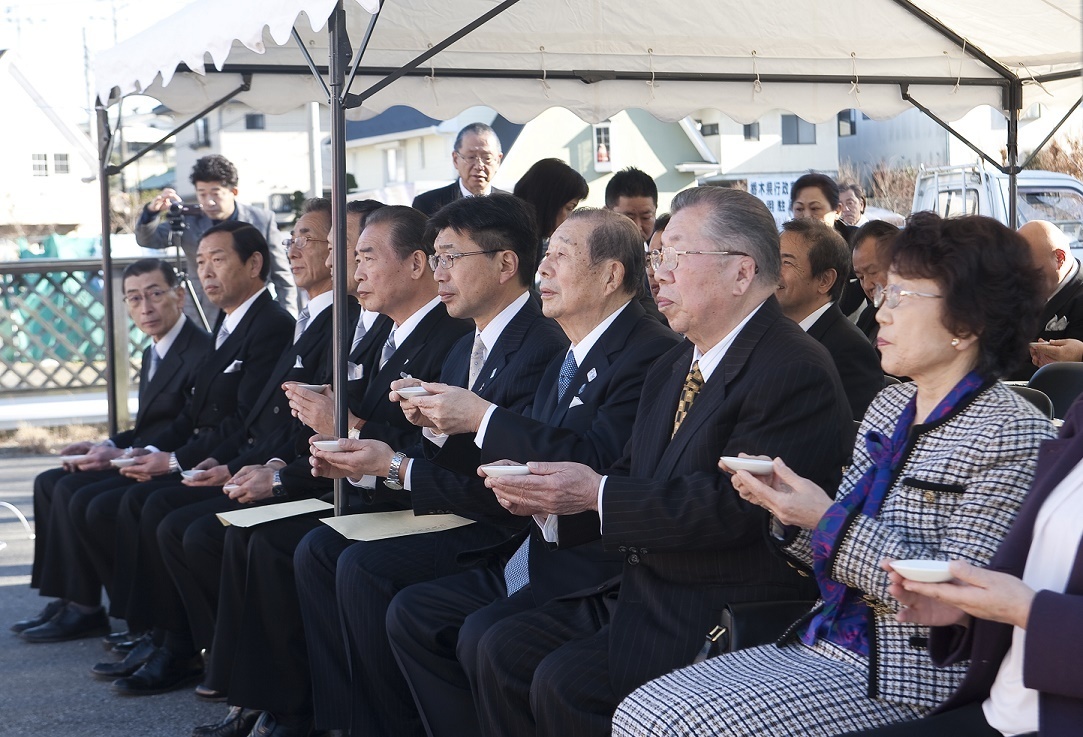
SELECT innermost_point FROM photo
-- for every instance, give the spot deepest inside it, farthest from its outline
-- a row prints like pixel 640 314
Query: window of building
pixel 708 129
pixel 602 147
pixel 60 164
pixel 394 165
pixel 847 123
pixel 39 164
pixel 752 132
pixel 202 129
pixel 254 122
pixel 796 131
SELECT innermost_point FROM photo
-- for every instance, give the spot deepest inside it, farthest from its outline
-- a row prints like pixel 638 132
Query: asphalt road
pixel 47 689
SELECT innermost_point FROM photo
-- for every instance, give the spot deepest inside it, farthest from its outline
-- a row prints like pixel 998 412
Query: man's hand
pixel 413 414
pixel 212 476
pixel 551 488
pixel 315 409
pixel 981 593
pixel 163 200
pixel 794 500
pixel 452 410
pixel 97 458
pixel 147 466
pixel 359 458
pixel 77 449
pixel 1069 349
pixel 254 482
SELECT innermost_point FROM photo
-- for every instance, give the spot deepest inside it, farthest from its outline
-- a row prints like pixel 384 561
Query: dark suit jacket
pixel 509 378
pixel 691 544
pixel 162 398
pixel 269 430
pixel 866 323
pixel 1053 646
pixel 431 201
pixel 606 390
pixel 220 400
pixel 1062 317
pixel 421 355
pixel 854 357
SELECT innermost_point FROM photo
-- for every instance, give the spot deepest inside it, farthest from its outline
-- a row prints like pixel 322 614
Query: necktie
pixel 358 335
pixel 302 323
pixel 155 361
pixel 223 333
pixel 477 360
pixel 517 571
pixel 389 348
pixel 692 384
pixel 567 371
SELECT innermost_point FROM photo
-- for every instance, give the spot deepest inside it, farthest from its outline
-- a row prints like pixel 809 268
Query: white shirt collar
pixel 709 361
pixel 496 326
pixel 234 318
pixel 467 193
pixel 809 321
pixel 402 332
pixel 368 317
pixel 318 304
pixel 582 348
pixel 163 344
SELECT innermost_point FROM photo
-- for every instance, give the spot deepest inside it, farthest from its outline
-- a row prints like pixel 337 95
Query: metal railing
pixel 52 326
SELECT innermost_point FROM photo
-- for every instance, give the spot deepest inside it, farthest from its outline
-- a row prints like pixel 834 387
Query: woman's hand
pixel 918 609
pixel 981 593
pixel 792 499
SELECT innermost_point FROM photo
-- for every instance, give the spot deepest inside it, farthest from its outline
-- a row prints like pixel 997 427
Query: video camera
pixel 177 211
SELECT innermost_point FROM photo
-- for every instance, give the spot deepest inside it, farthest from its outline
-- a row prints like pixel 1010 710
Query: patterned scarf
pixel 843 619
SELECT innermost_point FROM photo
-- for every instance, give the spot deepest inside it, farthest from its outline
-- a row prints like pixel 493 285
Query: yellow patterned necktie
pixel 692 384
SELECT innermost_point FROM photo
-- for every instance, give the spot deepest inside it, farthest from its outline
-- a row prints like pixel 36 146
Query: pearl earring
pixel 954 342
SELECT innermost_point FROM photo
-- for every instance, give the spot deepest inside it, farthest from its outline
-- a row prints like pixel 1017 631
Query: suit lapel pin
pixel 592 374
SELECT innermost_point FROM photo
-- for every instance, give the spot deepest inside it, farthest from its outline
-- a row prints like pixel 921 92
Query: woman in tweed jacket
pixel 940 469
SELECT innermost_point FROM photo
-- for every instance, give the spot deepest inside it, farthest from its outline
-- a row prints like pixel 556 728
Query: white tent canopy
pixel 597 58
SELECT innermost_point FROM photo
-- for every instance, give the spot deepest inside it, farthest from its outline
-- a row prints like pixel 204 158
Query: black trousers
pixel 966 721
pixel 434 629
pixel 92 512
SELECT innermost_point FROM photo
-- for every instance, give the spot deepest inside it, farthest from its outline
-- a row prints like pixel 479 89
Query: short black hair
pixel 822 182
pixel 976 261
pixel 630 182
pixel 316 204
pixel 214 168
pixel 497 222
pixel 364 207
pixel 881 230
pixel 478 129
pixel 406 226
pixel 826 250
pixel 615 237
pixel 549 185
pixel 247 240
pixel 661 222
pixel 146 266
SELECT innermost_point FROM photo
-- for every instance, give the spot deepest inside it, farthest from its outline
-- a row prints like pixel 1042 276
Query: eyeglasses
pixel 301 241
pixel 447 260
pixel 154 296
pixel 893 294
pixel 485 160
pixel 667 257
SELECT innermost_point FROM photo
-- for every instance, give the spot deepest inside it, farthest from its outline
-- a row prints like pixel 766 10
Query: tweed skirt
pixel 761 691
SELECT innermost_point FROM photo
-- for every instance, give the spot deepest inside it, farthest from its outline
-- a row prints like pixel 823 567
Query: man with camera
pixel 215 181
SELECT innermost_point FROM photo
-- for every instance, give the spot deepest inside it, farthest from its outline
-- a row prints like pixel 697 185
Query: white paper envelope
pixel 383 525
pixel 271 512
pixel 298 363
pixel 233 367
pixel 354 371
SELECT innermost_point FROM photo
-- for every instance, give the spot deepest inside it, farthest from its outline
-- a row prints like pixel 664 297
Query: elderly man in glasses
pixel 476 157
pixel 746 380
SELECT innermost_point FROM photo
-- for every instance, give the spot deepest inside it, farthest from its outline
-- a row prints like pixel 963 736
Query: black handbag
pixel 751 623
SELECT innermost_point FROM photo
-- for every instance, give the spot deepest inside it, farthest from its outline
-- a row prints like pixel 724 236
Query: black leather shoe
pixel 125 647
pixel 238 723
pixel 51 610
pixel 69 624
pixel 209 694
pixel 113 639
pixel 161 673
pixel 268 726
pixel 132 662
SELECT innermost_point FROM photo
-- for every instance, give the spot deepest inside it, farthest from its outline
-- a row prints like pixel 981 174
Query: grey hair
pixel 737 221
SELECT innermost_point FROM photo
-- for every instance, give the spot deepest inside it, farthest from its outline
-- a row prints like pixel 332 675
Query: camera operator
pixel 215 180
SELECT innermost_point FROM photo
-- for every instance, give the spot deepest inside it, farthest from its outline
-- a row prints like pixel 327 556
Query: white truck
pixel 974 190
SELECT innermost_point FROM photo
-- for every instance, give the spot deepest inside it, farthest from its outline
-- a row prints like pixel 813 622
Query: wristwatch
pixel 276 485
pixel 174 464
pixel 393 480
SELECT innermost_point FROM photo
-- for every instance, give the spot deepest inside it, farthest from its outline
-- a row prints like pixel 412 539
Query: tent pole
pixel 1015 102
pixel 340 317
pixel 361 49
pixel 116 373
pixel 1052 133
pixel 947 126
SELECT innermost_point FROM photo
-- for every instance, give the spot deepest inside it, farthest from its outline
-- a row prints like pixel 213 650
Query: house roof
pixel 396 119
